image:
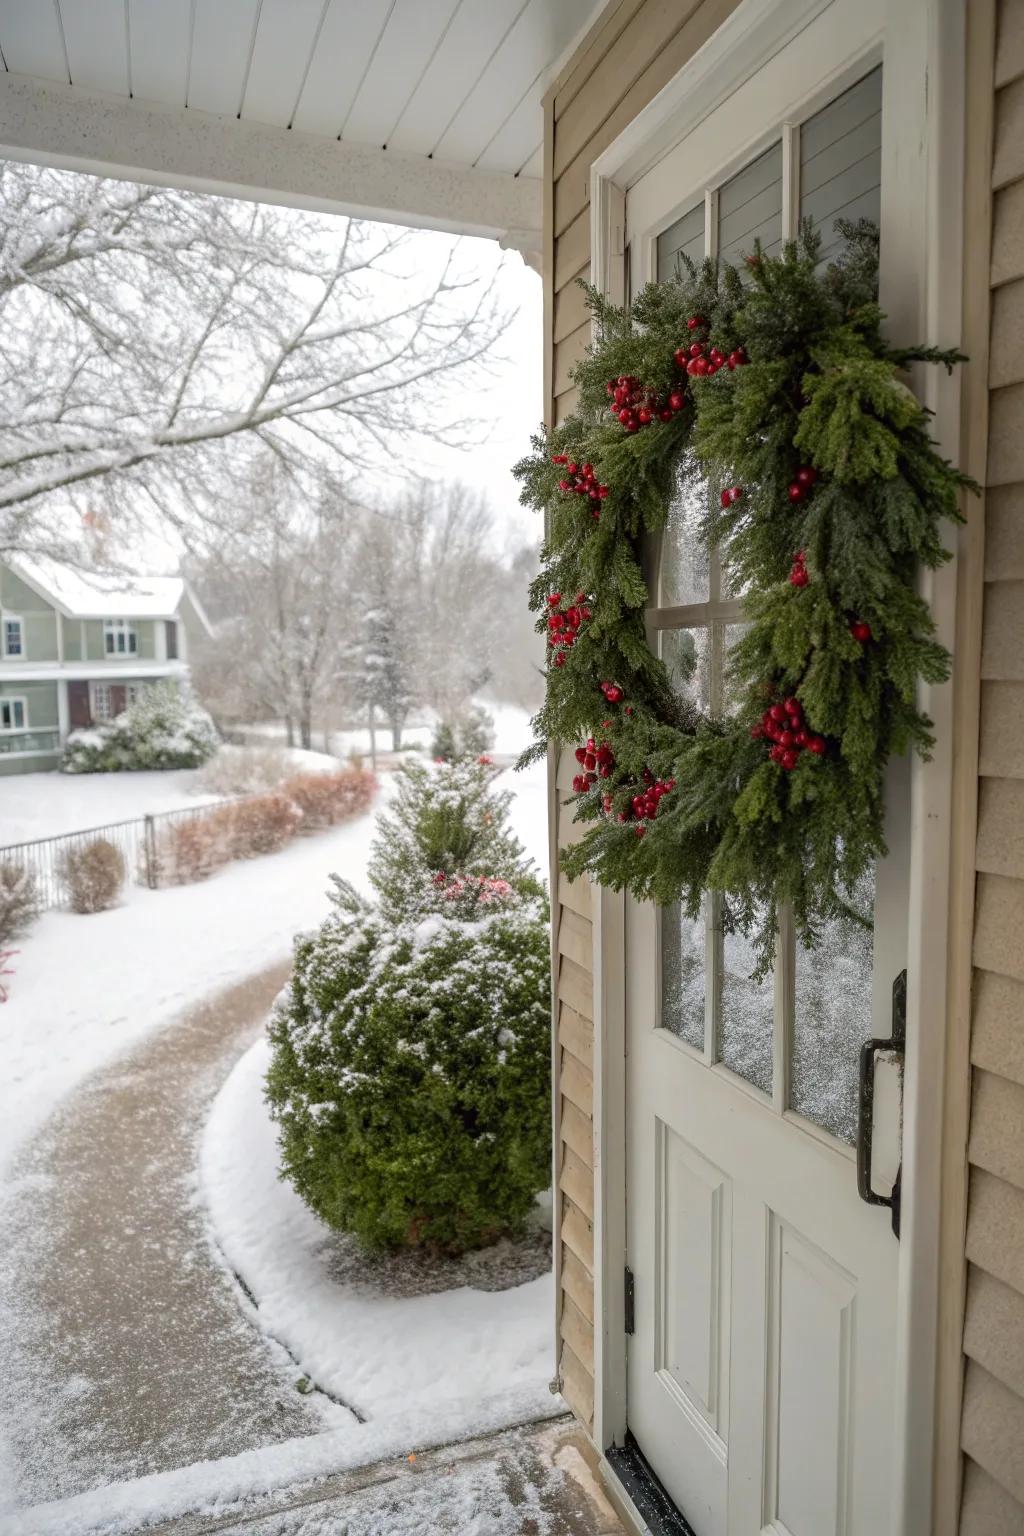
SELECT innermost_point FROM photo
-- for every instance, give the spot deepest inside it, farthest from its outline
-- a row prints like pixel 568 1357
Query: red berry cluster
pixel 580 480
pixel 784 726
pixel 798 576
pixel 800 488
pixel 595 760
pixel 702 362
pixel 614 694
pixel 860 631
pixel 637 407
pixel 644 806
pixel 564 624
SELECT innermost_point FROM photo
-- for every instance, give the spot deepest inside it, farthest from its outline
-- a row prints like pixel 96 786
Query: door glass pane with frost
pixel 833 1017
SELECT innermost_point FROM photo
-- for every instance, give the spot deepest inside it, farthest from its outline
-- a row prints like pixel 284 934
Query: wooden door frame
pixel 931 186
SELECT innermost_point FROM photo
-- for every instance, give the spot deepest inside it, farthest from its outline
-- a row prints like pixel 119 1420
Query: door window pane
pixel 683 238
pixel 687 655
pixel 747 1010
pixel 684 569
pixel 683 942
pixel 750 208
pixel 833 1019
pixel 841 162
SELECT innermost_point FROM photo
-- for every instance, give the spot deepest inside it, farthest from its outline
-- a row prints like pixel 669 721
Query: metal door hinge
pixel 629 1302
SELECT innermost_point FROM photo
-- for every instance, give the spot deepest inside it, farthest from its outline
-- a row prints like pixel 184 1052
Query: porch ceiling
pixel 418 111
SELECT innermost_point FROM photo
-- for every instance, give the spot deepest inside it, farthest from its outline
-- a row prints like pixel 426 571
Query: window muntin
pixel 794 1036
pixel 102 704
pixel 13 714
pixel 13 636
pixel 119 637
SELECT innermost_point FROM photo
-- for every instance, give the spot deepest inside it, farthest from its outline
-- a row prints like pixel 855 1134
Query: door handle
pixel 896 1044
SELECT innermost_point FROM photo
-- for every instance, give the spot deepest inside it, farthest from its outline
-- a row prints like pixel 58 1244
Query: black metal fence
pixel 43 859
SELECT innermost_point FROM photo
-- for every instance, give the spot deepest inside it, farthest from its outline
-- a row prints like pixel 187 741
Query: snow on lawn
pixel 47 804
pixel 87 988
pixel 480 1355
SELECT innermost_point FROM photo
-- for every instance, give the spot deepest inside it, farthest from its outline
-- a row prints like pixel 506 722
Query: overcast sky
pixel 511 403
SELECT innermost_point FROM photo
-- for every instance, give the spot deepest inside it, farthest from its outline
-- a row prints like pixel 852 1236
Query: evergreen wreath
pixel 773 391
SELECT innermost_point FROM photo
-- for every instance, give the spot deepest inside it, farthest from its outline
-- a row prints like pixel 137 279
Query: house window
pixel 171 631
pixel 119 637
pixel 13 714
pixel 14 637
pixel 102 704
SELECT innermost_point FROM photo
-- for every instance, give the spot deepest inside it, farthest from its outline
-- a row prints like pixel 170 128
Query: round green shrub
pixel 410 1076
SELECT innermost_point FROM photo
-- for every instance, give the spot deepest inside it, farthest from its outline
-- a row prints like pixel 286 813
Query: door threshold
pixel 645 1490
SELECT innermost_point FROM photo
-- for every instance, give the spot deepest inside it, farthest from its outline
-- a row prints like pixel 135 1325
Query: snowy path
pixel 126 1351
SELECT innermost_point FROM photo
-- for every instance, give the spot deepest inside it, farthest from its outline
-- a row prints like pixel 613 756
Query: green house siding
pixel 146 630
pixel 19 596
pixel 40 631
pixel 36 763
pixel 72 639
pixel 94 640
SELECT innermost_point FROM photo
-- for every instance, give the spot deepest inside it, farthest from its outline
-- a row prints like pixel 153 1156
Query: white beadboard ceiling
pixel 459 81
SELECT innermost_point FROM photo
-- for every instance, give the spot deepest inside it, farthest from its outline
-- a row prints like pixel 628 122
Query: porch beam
pixel 51 124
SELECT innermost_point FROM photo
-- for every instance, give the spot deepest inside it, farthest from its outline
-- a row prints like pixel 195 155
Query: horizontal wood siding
pixel 633 50
pixel 992 1424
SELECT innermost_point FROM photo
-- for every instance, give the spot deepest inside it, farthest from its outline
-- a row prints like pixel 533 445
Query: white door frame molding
pixel 923 109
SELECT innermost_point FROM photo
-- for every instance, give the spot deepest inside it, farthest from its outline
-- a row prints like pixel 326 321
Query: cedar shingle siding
pixel 632 52
pixel 992 1426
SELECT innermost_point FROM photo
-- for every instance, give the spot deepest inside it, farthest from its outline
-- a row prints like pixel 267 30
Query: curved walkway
pixel 124 1350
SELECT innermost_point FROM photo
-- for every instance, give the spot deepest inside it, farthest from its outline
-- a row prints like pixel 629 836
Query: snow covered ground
pixel 47 804
pixel 352 1328
pixel 511 733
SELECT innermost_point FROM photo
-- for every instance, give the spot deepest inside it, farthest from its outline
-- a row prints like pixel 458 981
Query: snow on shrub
pixel 94 874
pixel 260 825
pixel 19 900
pixel 327 798
pixel 244 770
pixel 411 1070
pixel 410 1076
pixel 163 728
pixel 191 850
pixel 448 819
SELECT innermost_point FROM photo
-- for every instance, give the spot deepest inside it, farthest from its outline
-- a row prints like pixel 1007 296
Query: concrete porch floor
pixel 538 1480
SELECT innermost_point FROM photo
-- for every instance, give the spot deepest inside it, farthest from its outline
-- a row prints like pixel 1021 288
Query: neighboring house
pixel 789 1365
pixel 76 648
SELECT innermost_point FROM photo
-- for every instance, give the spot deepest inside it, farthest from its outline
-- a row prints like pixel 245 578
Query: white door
pixel 761 1367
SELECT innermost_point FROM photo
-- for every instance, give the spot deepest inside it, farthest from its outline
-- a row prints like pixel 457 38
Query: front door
pixel 760 1373
pixel 79 712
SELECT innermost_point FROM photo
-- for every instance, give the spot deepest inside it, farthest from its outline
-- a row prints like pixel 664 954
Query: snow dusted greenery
pixel 151 333
pixel 19 900
pixel 445 818
pixel 470 734
pixel 164 728
pixel 410 1075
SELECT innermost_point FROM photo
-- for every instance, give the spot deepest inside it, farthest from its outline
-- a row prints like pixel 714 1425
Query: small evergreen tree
pixel 450 820
pixel 470 735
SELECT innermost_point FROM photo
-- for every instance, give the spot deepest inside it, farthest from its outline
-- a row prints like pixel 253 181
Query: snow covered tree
pixel 445 820
pixel 278 579
pixel 148 332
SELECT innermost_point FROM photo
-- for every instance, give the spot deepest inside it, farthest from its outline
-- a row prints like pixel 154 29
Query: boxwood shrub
pixel 410 1075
